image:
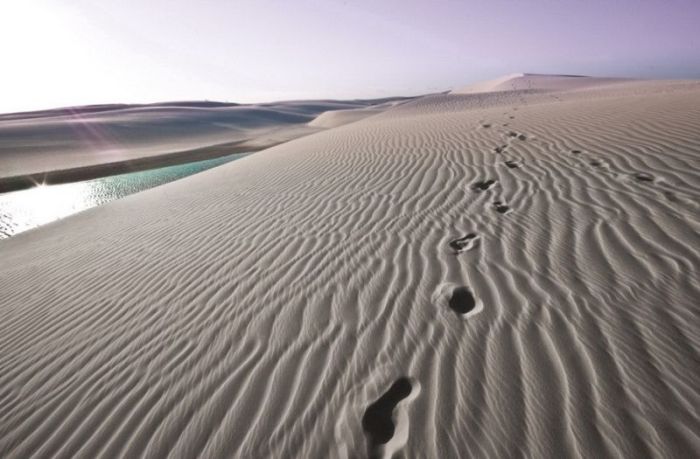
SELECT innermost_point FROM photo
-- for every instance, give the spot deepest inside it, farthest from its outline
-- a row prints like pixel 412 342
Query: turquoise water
pixel 27 209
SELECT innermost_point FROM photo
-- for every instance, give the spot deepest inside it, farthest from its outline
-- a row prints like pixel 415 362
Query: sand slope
pixel 533 81
pixel 427 279
pixel 63 139
pixel 335 118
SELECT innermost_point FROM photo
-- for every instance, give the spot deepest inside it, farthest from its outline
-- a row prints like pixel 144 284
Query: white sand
pixel 39 142
pixel 335 118
pixel 258 309
pixel 532 81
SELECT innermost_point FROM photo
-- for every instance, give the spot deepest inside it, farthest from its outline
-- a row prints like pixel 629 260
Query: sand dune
pixel 92 136
pixel 335 118
pixel 533 81
pixel 485 275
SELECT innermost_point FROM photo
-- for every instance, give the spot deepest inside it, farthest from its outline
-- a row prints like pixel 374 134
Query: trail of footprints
pixel 379 421
pixel 643 177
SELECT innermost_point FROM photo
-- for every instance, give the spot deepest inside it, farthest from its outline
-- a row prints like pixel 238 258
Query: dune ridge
pixel 260 309
pixel 539 82
pixel 103 138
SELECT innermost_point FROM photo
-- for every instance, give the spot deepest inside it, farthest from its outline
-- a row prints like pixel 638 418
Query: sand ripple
pixel 260 309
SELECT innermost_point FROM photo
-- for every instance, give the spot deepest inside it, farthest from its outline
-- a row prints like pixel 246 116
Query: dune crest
pixel 104 136
pixel 533 81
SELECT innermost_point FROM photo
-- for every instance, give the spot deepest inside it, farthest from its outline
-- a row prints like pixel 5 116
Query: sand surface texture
pixel 102 135
pixel 509 274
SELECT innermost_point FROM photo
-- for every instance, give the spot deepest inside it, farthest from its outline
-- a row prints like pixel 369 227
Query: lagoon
pixel 26 209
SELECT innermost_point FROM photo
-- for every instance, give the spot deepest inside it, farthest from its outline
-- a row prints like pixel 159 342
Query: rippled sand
pixel 480 275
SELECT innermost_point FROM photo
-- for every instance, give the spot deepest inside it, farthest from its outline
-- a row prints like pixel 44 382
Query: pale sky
pixel 57 53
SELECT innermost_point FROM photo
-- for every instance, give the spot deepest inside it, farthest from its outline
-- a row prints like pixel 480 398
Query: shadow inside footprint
pixel 462 301
pixel 596 163
pixel 511 164
pixel 522 137
pixel 463 243
pixel 512 134
pixel 500 149
pixel 378 420
pixel 483 185
pixel 576 152
pixel 486 126
pixel 500 207
pixel 671 196
pixel 642 177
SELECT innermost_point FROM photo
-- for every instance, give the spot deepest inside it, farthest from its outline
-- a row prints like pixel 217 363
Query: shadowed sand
pixel 350 292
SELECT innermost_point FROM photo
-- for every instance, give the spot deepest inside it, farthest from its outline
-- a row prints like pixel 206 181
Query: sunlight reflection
pixel 42 204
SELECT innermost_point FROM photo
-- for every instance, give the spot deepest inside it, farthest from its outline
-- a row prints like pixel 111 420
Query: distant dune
pixel 533 81
pixel 89 109
pixel 84 142
pixel 509 270
pixel 335 118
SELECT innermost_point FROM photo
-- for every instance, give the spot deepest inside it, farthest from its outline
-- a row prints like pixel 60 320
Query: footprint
pixel 379 422
pixel 485 126
pixel 464 243
pixel 500 149
pixel 511 164
pixel 512 134
pixel 596 163
pixel 576 152
pixel 462 301
pixel 643 177
pixel 458 298
pixel 483 185
pixel 522 137
pixel 500 207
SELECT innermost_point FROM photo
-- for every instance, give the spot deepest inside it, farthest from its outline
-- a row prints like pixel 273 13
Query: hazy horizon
pixel 69 53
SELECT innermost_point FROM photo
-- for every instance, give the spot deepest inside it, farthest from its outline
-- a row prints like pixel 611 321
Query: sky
pixel 57 53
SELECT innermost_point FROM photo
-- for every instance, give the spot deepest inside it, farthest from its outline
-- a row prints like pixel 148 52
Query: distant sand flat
pixel 388 285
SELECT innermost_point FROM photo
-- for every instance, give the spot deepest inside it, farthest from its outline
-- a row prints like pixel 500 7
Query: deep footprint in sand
pixel 511 164
pixel 483 185
pixel 379 422
pixel 462 301
pixel 576 152
pixel 458 298
pixel 500 207
pixel 643 177
pixel 500 149
pixel 464 243
pixel 671 196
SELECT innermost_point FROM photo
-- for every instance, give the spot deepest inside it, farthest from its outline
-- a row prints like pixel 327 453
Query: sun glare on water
pixel 43 204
